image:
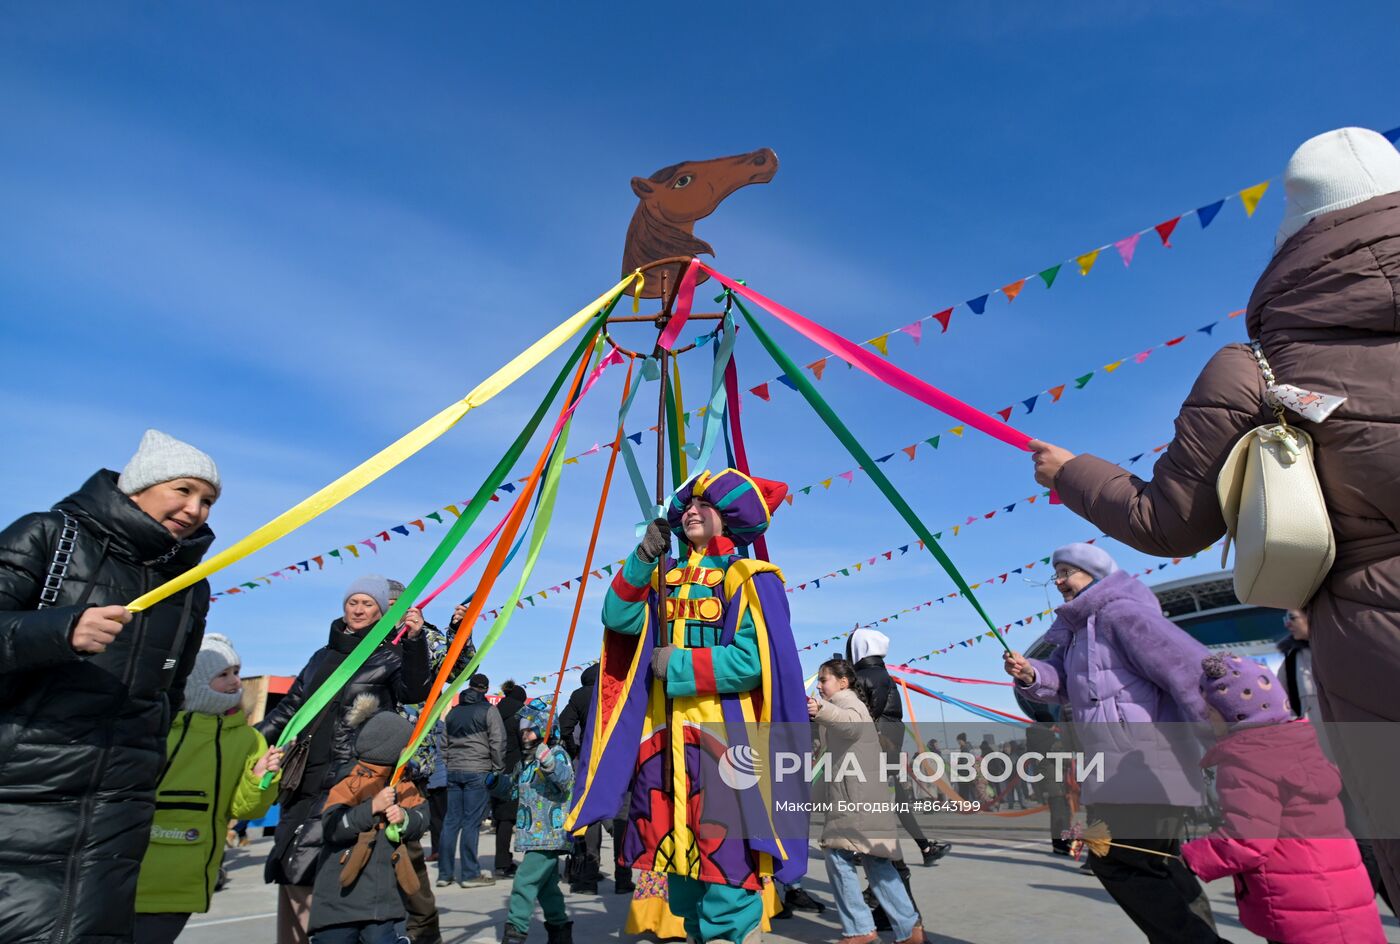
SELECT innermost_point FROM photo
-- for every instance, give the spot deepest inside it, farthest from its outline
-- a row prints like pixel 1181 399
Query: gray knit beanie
pixel 216 653
pixel 383 735
pixel 161 458
pixel 371 585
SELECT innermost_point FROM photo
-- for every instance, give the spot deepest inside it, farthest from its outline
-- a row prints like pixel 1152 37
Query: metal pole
pixel 663 627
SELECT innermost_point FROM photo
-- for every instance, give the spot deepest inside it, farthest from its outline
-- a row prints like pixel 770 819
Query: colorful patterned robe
pixel 735 686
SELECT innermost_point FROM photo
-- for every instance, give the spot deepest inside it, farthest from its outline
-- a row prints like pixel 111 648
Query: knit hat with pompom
pixel 1245 693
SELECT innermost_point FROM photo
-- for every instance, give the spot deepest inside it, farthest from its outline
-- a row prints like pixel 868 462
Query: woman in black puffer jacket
pixel 396 675
pixel 87 689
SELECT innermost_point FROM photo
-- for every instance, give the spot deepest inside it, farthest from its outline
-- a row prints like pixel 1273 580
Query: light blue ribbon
pixel 711 432
pixel 651 370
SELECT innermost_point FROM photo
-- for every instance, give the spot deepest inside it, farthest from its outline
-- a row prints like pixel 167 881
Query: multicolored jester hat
pixel 593 353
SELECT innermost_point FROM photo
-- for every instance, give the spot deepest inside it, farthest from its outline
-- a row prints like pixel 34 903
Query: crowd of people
pixel 125 752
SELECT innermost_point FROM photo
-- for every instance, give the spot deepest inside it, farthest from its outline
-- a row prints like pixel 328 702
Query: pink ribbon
pixel 949 678
pixel 613 357
pixel 881 369
pixel 685 300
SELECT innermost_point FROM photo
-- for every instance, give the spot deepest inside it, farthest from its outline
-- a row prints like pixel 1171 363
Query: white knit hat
pixel 868 642
pixel 161 458
pixel 1334 171
pixel 216 653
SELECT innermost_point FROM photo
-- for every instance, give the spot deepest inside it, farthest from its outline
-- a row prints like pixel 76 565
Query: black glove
pixel 655 542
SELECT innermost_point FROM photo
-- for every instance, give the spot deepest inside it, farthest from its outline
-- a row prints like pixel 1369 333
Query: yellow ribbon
pixel 387 458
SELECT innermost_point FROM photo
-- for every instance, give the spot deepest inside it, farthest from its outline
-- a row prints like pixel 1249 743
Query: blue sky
pixel 289 234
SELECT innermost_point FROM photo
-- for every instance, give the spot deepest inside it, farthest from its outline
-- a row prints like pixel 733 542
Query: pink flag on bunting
pixel 849 476
pixel 1126 248
pixel 1141 356
pixel 915 330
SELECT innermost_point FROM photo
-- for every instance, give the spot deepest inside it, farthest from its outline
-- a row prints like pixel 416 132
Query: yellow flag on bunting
pixel 1251 196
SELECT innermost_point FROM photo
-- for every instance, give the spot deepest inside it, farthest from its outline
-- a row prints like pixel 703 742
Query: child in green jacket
pixel 541 782
pixel 214 762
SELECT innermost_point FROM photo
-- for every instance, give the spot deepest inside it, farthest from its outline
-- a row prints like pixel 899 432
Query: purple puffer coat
pixel 1128 673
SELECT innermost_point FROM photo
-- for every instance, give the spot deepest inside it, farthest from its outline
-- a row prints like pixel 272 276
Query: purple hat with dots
pixel 1245 693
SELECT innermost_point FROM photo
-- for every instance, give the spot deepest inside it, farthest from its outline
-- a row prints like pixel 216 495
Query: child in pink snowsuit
pixel 1298 872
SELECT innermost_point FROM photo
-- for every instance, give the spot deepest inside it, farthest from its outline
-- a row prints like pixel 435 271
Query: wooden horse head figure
pixel 673 198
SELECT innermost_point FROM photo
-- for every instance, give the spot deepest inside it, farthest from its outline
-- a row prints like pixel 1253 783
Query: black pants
pixel 1060 818
pixel 437 812
pixel 1161 895
pixel 159 928
pixel 503 814
pixel 592 867
pixel 904 796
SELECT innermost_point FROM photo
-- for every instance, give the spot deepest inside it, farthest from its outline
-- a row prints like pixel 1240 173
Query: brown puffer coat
pixel 1327 312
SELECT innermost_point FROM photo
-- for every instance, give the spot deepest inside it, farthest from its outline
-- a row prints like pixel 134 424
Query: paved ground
pixel 1000 884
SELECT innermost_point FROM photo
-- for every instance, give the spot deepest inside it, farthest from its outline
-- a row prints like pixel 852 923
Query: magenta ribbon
pixel 950 678
pixel 736 435
pixel 879 368
pixel 613 357
pixel 685 300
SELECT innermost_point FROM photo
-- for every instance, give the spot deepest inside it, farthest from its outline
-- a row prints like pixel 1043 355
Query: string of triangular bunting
pixel 918 607
pixel 418 525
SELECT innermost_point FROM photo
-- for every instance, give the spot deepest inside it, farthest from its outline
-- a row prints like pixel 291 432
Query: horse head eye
pixel 683 182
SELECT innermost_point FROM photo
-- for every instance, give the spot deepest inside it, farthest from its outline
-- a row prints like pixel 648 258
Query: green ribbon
pixel 871 467
pixel 549 490
pixel 323 695
pixel 673 440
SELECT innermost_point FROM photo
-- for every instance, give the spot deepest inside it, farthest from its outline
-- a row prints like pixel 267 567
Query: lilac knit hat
pixel 1245 693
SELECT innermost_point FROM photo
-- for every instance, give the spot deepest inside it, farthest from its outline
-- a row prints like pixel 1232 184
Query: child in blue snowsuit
pixel 541 782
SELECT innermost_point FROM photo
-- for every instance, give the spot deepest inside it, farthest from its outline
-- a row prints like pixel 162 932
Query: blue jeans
pixel 467 799
pixel 856 918
pixel 368 932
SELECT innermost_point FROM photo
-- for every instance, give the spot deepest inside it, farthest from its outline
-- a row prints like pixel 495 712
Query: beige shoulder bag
pixel 1273 506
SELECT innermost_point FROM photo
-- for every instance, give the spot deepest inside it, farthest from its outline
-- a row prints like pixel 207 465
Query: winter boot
pixel 509 935
pixel 622 881
pixel 934 851
pixel 561 933
pixel 798 900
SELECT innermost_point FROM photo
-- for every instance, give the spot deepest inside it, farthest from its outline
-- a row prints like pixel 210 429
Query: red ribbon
pixel 879 368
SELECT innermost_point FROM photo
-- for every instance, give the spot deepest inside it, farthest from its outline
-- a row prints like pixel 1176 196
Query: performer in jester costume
pixel 691 712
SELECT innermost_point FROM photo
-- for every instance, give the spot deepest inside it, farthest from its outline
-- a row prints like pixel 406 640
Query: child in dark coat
pixel 1297 871
pixel 363 866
